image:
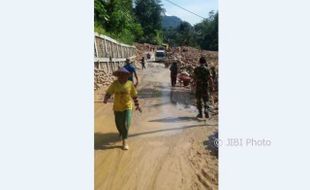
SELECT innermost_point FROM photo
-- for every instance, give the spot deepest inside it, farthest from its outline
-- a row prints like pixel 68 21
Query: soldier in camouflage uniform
pixel 201 78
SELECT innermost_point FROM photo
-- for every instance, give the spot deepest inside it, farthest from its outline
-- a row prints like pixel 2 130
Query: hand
pixel 106 98
pixel 139 109
pixel 136 84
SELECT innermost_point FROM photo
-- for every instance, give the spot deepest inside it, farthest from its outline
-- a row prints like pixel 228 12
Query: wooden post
pixel 117 50
pixel 107 66
pixel 96 50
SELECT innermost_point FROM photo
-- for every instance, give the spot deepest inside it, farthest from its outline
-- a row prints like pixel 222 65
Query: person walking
pixel 143 63
pixel 124 91
pixel 214 86
pixel 129 67
pixel 201 78
pixel 173 73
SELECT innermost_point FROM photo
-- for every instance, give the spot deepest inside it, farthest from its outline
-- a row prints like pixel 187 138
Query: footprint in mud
pixel 208 176
pixel 203 181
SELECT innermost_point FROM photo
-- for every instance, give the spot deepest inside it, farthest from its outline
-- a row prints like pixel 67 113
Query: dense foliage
pixel 149 15
pixel 207 32
pixel 143 21
pixel 203 35
pixel 116 19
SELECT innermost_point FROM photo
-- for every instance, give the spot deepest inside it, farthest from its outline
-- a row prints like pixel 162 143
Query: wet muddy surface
pixel 166 141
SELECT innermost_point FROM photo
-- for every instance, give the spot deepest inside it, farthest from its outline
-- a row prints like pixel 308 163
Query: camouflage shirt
pixel 201 76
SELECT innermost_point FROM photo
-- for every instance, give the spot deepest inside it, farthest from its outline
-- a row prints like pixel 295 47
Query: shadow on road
pixel 182 96
pixel 171 129
pixel 104 141
pixel 212 144
pixel 174 119
pixel 158 105
pixel 150 93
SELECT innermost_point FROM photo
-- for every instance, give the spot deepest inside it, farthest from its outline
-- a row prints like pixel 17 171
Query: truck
pixel 160 56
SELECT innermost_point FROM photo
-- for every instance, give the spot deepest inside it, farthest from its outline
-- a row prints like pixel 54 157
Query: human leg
pixel 119 121
pixel 173 80
pixel 199 104
pixel 127 123
pixel 205 103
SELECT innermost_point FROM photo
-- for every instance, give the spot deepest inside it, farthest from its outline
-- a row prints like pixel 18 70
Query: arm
pixel 109 93
pixel 137 80
pixel 194 77
pixel 211 83
pixel 136 101
pixel 106 98
pixel 134 95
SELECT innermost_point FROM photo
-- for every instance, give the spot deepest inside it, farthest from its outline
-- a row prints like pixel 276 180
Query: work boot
pixel 207 115
pixel 199 116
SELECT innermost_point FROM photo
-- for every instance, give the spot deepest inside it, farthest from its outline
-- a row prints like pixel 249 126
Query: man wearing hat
pixel 201 77
pixel 129 67
pixel 124 91
pixel 173 73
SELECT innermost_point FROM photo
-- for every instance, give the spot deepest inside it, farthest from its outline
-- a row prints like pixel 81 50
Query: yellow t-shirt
pixel 123 94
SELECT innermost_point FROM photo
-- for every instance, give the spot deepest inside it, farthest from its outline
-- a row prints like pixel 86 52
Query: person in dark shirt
pixel 132 71
pixel 214 77
pixel 143 63
pixel 173 73
pixel 202 77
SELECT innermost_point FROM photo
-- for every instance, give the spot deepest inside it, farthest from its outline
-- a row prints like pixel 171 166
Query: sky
pixel 200 7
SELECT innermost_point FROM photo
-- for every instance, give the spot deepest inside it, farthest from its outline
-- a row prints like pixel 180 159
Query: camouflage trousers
pixel 202 99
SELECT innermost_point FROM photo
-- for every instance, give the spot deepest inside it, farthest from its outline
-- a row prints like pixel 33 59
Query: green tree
pixel 148 14
pixel 207 32
pixel 203 35
pixel 186 34
pixel 116 19
pixel 101 16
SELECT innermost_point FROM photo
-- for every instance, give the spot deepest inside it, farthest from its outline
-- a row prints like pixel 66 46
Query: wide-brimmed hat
pixel 121 72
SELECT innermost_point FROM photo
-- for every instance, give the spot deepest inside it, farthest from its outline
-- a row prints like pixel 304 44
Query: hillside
pixel 170 21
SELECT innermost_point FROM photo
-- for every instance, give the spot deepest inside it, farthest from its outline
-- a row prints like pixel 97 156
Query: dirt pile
pixel 102 79
pixel 189 57
pixel 142 49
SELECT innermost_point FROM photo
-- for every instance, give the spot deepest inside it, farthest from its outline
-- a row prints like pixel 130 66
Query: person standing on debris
pixel 174 73
pixel 123 91
pixel 129 67
pixel 143 63
pixel 201 78
pixel 214 77
pixel 214 85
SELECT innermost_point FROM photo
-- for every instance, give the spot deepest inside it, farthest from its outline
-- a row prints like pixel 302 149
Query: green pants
pixel 202 95
pixel 123 121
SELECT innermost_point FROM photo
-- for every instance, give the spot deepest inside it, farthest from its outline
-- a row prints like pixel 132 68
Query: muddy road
pixel 168 148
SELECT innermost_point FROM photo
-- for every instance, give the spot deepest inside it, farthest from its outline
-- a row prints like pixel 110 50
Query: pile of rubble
pixel 142 49
pixel 102 79
pixel 188 57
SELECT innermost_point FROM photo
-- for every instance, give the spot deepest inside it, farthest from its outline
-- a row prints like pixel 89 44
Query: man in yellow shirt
pixel 123 91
